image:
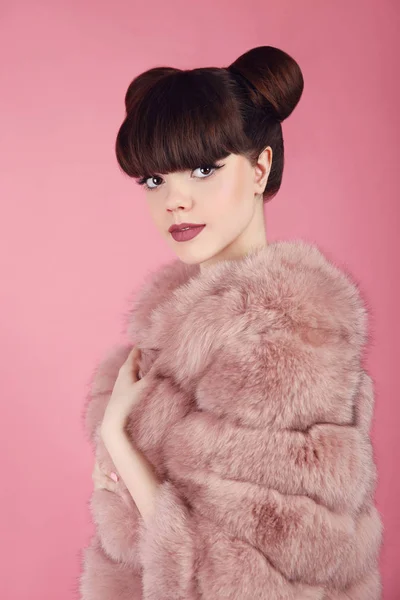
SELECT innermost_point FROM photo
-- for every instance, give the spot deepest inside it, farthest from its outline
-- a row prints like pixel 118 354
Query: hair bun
pixel 274 76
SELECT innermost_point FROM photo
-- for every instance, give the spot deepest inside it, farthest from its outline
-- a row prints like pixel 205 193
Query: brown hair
pixel 183 119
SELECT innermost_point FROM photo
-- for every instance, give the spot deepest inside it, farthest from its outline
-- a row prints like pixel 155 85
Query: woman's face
pixel 227 200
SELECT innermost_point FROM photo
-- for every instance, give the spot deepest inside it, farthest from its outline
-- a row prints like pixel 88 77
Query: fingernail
pixel 114 476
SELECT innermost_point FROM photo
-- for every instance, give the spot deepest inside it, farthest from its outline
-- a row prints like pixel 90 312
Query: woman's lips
pixel 188 234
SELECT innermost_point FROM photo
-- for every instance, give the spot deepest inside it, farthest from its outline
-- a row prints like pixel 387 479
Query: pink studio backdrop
pixel 76 237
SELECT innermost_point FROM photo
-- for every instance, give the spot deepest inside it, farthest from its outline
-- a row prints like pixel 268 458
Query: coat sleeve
pixel 167 548
pixel 102 578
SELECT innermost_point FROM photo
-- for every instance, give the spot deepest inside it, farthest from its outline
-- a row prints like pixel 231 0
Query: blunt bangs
pixel 184 120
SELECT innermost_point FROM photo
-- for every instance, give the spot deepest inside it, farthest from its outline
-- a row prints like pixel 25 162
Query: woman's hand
pixel 102 481
pixel 133 467
pixel 125 394
pixel 110 482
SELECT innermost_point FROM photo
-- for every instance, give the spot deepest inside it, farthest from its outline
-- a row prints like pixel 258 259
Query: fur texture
pixel 257 419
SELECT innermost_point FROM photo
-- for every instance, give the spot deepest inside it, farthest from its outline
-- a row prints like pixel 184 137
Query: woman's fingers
pixel 110 486
pixel 103 481
pixel 132 360
pixel 132 357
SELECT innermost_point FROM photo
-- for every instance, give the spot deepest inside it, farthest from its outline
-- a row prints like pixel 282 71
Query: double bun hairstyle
pixel 183 119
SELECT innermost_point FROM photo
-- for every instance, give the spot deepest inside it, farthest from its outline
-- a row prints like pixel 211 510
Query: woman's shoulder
pixel 316 290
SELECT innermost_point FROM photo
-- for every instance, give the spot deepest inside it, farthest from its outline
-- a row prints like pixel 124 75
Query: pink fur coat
pixel 256 418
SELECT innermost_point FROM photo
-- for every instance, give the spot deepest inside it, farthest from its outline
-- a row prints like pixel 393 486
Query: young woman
pixel 233 457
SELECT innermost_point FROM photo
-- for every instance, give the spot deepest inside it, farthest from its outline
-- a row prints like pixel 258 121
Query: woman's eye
pixel 145 180
pixel 207 168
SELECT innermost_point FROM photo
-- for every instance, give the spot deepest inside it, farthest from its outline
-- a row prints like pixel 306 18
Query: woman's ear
pixel 262 170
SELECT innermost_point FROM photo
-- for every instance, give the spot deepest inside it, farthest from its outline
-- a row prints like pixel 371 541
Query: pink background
pixel 76 237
